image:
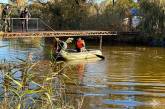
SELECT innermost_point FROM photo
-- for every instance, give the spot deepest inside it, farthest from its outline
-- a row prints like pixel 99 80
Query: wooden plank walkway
pixel 56 34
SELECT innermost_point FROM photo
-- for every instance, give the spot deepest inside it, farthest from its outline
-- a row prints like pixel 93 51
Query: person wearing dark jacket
pixel 6 13
pixel 25 15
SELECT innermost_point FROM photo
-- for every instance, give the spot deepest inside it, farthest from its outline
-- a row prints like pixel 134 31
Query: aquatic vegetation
pixel 35 85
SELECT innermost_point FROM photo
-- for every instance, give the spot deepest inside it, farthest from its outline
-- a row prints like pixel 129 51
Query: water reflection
pixel 80 71
pixel 20 48
pixel 130 77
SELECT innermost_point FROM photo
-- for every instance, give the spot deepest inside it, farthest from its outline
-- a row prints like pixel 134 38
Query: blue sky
pixel 3 1
pixel 99 1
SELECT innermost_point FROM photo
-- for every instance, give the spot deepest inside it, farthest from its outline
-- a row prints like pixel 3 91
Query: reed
pixel 33 85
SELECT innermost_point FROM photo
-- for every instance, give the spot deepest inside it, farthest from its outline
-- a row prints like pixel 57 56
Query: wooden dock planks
pixel 56 34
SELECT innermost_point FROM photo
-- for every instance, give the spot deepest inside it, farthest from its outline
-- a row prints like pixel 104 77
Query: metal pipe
pixel 37 24
pixel 12 24
pixel 101 41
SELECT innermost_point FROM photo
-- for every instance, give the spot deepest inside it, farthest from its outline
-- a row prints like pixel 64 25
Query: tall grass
pixel 33 85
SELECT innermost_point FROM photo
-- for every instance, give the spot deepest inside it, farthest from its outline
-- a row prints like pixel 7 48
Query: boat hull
pixel 89 54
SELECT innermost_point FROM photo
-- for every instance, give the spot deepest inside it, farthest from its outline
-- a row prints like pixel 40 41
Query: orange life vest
pixel 80 43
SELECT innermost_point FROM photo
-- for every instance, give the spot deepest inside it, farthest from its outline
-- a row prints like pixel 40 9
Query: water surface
pixel 130 77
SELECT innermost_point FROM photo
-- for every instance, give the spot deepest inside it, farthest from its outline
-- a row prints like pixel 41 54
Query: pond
pixel 129 77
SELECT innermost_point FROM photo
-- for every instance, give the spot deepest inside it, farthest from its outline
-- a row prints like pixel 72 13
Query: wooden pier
pixel 37 29
pixel 56 34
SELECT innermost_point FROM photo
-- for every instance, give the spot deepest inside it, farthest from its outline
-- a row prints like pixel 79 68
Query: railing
pixel 33 24
pixel 38 28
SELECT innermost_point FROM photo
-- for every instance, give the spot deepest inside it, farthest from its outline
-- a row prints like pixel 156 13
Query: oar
pixel 100 56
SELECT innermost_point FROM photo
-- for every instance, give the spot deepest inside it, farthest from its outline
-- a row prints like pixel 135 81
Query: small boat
pixel 74 55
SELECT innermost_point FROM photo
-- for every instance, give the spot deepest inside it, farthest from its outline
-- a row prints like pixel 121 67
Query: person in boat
pixel 62 45
pixel 80 45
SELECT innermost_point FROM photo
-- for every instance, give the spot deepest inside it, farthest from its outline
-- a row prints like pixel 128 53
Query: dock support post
pixel 11 26
pixel 101 41
pixel 37 24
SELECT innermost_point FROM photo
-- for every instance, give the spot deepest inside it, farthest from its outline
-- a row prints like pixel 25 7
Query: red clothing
pixel 80 43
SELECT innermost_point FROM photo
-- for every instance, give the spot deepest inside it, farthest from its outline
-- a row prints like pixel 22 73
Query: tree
pixel 20 3
pixel 62 14
pixel 153 14
pixel 113 1
pixel 116 13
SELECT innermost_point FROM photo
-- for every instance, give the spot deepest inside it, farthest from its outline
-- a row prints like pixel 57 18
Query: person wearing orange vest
pixel 80 44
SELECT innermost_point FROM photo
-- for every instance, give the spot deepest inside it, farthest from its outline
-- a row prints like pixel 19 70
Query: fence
pixel 34 24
